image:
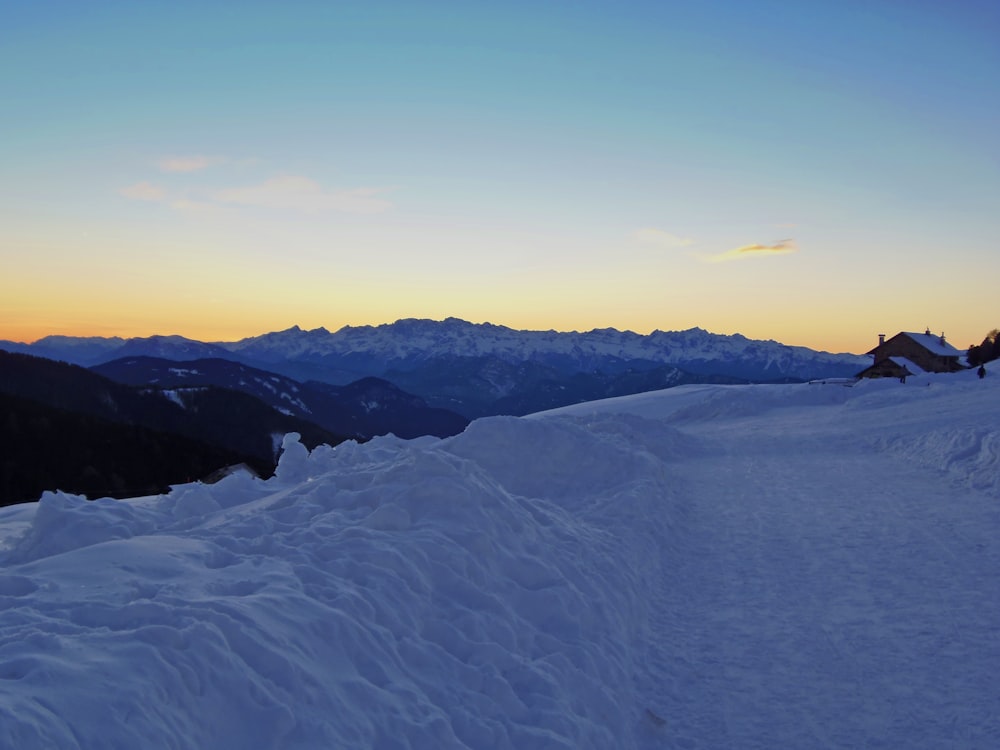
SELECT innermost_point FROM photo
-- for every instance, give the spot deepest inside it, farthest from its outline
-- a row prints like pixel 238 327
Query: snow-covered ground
pixel 802 566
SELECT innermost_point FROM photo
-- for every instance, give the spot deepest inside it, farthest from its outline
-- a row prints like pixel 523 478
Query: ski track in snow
pixel 834 584
pixel 706 567
pixel 833 603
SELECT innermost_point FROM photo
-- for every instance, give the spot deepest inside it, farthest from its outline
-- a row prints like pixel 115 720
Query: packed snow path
pixel 706 567
pixel 826 597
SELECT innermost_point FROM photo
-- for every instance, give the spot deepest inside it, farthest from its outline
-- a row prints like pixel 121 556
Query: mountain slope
pixel 383 408
pixel 488 385
pixel 91 350
pixel 362 410
pixel 233 422
pixel 46 448
pixel 77 350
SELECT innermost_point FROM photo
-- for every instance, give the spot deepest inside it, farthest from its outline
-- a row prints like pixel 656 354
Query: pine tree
pixel 985 352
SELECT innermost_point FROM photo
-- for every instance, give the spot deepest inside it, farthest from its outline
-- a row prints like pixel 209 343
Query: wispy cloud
pixel 287 193
pixel 186 163
pixel 143 191
pixel 302 194
pixel 651 236
pixel 186 205
pixel 782 247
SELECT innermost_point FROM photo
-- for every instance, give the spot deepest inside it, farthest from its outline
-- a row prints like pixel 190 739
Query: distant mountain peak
pixel 164 338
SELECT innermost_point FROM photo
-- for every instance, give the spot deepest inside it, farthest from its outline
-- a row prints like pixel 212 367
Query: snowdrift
pixel 543 582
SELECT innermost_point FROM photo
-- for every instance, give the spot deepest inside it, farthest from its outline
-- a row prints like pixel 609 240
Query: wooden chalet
pixel 912 354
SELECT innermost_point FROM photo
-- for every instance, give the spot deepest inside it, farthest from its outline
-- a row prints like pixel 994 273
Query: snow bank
pixel 949 423
pixel 486 591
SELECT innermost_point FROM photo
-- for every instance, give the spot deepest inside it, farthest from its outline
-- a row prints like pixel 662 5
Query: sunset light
pixel 185 169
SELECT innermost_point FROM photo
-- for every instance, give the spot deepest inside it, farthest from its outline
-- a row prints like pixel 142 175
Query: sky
pixel 815 173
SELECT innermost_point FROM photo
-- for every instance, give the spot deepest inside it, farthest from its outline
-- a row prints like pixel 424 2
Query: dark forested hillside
pixel 46 448
pixel 363 409
pixel 64 414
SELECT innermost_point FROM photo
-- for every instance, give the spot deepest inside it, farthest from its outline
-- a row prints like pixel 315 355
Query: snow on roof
pixel 907 364
pixel 934 343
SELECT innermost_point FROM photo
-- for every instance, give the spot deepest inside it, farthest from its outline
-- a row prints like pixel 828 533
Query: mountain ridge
pixel 406 337
pixel 479 369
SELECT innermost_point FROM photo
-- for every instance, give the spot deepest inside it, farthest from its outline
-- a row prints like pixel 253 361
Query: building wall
pixel 885 368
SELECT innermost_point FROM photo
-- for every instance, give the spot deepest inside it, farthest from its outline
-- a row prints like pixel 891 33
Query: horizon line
pixel 484 323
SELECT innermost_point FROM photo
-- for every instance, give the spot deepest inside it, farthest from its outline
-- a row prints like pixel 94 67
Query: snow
pixel 175 396
pixel 296 402
pixel 703 567
pixel 908 365
pixel 934 343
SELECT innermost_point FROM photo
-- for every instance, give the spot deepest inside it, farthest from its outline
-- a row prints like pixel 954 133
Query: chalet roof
pixel 929 341
pixel 933 343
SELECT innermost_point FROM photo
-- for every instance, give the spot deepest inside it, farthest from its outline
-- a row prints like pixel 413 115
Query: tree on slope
pixel 987 351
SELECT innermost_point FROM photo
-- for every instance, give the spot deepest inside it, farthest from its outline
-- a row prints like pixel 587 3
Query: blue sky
pixel 812 172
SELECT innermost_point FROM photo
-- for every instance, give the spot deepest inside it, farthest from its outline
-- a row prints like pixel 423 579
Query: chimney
pixel 942 339
pixel 881 339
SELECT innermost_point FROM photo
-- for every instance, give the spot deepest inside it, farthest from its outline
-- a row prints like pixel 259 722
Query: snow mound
pixel 970 454
pixel 393 594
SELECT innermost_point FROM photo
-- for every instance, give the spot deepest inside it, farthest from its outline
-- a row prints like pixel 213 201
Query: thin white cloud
pixel 782 247
pixel 186 163
pixel 143 191
pixel 651 236
pixel 296 193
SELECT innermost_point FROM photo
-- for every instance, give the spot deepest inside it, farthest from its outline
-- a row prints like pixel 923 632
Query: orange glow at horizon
pixel 256 300
pixel 233 327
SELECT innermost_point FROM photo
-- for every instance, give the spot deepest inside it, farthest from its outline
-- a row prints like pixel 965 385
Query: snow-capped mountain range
pixel 410 341
pixel 357 351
